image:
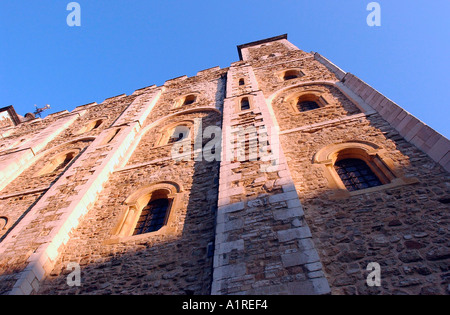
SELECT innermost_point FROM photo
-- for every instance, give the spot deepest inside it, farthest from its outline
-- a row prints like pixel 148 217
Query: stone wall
pixel 402 228
pixel 263 244
pixel 29 247
pixel 274 223
pixel 178 258
pixel 335 106
pixel 161 264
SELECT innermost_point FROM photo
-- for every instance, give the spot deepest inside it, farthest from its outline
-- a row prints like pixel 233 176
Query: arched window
pixel 190 99
pixel 309 101
pixel 291 74
pixel 357 167
pixel 179 133
pixel 356 174
pixel 97 124
pixel 245 104
pixel 111 135
pixel 175 132
pixel 64 161
pixel 58 163
pixel 92 125
pixel 153 216
pixel 304 106
pixel 151 209
pixel 241 82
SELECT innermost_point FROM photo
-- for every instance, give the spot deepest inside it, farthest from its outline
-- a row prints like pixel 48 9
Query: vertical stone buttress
pixel 34 244
pixel 13 163
pixel 263 244
pixel 176 259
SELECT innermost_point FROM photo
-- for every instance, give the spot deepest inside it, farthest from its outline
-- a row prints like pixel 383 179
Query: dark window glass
pixel 307 105
pixel 241 82
pixel 356 174
pixel 189 100
pixel 289 75
pixel 245 104
pixel 153 217
pixel 176 138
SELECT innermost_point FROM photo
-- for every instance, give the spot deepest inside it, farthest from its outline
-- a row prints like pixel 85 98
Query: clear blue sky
pixel 124 45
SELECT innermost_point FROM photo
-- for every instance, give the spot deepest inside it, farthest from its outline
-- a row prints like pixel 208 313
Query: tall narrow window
pixel 356 174
pixel 304 106
pixel 241 82
pixel 245 104
pixel 153 216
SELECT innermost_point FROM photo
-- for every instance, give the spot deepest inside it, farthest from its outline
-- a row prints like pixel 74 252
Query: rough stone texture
pixel 339 107
pixel 178 263
pixel 260 237
pixel 33 222
pixel 266 225
pixel 164 264
pixel 395 227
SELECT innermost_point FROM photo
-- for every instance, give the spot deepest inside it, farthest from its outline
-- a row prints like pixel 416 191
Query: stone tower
pixel 280 174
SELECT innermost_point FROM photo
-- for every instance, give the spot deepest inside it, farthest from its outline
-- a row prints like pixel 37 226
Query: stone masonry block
pixel 440 149
pixel 227 247
pixel 230 271
pixel 288 188
pixel 292 234
pixel 300 258
pixel 289 213
pixel 238 206
pixel 231 192
pixel 283 197
pixel 321 286
pixel 306 244
pixel 314 266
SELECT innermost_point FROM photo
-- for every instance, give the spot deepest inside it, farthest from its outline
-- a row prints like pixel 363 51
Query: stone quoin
pixel 342 177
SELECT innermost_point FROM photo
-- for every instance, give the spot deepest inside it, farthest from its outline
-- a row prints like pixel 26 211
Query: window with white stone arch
pixel 372 168
pixel 305 101
pixel 243 103
pixel 137 220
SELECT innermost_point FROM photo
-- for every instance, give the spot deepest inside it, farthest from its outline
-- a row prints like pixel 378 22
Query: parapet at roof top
pixel 259 42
